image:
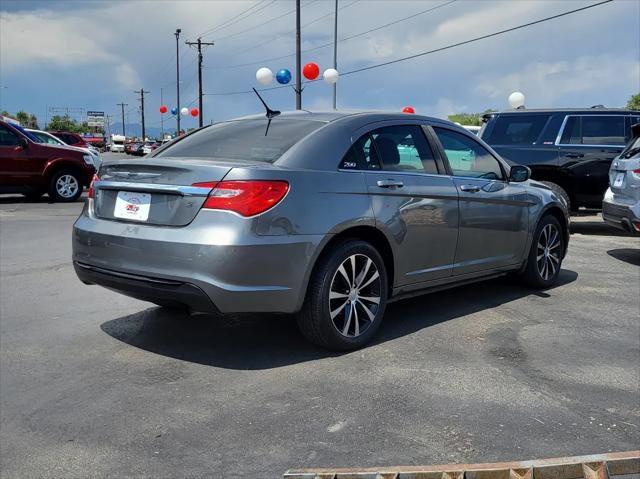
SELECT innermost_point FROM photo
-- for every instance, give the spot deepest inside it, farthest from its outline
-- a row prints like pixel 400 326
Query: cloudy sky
pixel 93 54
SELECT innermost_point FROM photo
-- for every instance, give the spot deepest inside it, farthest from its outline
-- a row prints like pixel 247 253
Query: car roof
pixel 594 110
pixel 329 116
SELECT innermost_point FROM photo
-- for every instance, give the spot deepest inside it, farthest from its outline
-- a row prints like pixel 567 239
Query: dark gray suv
pixel 327 215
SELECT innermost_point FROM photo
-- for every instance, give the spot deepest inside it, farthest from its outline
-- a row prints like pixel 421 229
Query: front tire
pixel 545 256
pixel 65 186
pixel 346 297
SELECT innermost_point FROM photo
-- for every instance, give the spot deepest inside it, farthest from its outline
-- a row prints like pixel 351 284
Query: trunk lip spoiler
pixel 183 190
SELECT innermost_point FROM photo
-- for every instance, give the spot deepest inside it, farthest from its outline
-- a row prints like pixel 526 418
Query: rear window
pixel 243 140
pixel 596 130
pixel 517 129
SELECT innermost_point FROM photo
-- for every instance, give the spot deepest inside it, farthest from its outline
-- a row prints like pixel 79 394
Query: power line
pixel 233 22
pixel 319 47
pixel 428 52
pixel 261 44
pixel 262 24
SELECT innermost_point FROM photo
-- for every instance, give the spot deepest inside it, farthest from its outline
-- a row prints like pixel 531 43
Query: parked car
pixel 34 168
pixel 74 139
pixel 131 148
pixel 472 128
pixel 48 138
pixel 292 215
pixel 569 150
pixel 149 147
pixel 621 205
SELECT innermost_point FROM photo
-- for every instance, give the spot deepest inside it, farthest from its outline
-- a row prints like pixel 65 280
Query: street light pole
pixel 177 34
pixel 335 51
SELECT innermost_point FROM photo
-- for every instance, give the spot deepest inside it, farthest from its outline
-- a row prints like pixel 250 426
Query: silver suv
pixel 621 205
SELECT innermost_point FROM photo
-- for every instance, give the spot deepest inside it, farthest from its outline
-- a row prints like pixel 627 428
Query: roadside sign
pixel 95 118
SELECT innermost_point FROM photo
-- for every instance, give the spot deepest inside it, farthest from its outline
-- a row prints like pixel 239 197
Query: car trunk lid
pixel 157 191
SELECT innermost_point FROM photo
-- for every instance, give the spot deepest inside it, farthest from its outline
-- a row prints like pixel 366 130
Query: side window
pixel 467 157
pixel 7 137
pixel 361 156
pixel 404 148
pixel 517 129
pixel 602 130
pixel 571 135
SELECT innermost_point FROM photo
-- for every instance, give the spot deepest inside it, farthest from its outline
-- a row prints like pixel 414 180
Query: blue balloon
pixel 174 111
pixel 283 76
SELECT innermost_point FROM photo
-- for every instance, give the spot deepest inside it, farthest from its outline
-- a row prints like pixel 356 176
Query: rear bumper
pixel 621 216
pixel 206 266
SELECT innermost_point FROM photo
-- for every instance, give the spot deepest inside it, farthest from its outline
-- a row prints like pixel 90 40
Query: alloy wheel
pixel 548 251
pixel 355 295
pixel 67 186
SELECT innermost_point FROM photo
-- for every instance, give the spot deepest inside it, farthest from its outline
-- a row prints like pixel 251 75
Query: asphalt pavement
pixel 95 384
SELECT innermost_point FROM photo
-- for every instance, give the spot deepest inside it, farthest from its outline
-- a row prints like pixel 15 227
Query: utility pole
pixel 200 43
pixel 298 62
pixel 142 92
pixel 177 34
pixel 123 105
pixel 335 51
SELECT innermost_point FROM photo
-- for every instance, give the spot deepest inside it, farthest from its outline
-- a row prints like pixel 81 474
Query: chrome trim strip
pixel 182 190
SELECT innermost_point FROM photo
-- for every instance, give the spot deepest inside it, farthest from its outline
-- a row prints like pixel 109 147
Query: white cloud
pixel 127 76
pixel 548 83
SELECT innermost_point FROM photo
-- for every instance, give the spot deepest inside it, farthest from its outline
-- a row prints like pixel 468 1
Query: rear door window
pixel 594 130
pixel 361 155
pixel 517 129
pixel 404 148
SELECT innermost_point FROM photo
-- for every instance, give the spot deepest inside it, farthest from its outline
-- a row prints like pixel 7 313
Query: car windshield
pixel 243 140
pixel 44 138
pixel 28 134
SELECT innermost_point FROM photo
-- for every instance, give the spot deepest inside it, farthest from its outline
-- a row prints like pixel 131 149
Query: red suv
pixel 33 168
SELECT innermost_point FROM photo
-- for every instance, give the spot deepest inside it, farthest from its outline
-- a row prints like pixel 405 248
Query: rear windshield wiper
pixel 270 113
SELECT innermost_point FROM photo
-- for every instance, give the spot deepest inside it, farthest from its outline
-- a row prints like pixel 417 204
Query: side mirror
pixel 23 144
pixel 519 173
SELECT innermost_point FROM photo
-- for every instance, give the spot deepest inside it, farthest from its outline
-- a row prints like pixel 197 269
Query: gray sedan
pixel 326 215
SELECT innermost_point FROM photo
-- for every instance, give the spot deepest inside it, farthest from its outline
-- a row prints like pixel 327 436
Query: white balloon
pixel 516 99
pixel 184 111
pixel 264 76
pixel 331 75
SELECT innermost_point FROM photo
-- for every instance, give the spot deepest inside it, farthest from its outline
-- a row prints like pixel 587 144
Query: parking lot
pixel 96 384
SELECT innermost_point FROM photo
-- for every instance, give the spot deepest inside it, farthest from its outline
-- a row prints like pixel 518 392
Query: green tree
pixel 469 119
pixel 62 123
pixel 22 117
pixel 33 122
pixel 634 102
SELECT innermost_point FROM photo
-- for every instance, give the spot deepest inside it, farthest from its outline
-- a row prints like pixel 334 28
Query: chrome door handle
pixel 390 183
pixel 470 188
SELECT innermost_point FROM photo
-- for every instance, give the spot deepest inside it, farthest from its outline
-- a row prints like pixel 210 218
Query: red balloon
pixel 311 71
pixel 163 109
pixel 194 112
pixel 408 109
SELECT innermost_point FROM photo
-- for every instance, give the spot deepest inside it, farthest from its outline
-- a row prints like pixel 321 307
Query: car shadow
pixel 264 341
pixel 595 227
pixel 628 255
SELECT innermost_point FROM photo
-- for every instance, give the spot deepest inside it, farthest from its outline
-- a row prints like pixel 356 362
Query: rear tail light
pixel 246 197
pixel 92 192
pixel 636 173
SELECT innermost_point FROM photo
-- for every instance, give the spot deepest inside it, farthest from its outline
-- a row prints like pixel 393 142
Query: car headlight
pixel 88 159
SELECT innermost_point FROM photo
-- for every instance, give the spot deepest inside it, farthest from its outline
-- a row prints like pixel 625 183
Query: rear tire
pixel 560 191
pixel 65 186
pixel 545 256
pixel 346 297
